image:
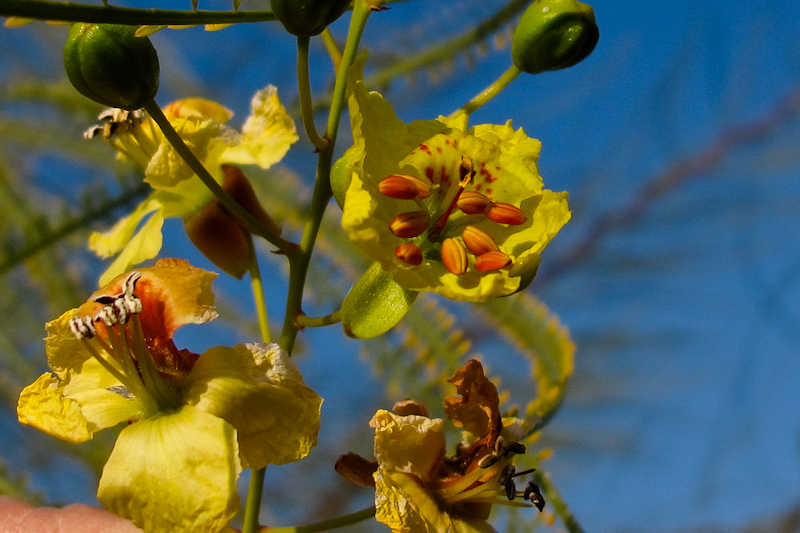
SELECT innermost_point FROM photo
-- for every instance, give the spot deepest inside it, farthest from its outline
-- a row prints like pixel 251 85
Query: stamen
pixel 454 256
pixel 514 447
pixel 505 214
pixel 466 173
pixel 403 187
pixel 478 241
pixel 507 474
pixel 82 327
pixel 409 225
pixel 490 261
pixel 107 315
pixel 533 493
pixel 409 253
pixel 473 202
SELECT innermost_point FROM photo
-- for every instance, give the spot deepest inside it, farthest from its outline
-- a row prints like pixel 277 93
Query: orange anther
pixel 409 225
pixel 505 214
pixel 454 256
pixel 492 261
pixel 473 202
pixel 409 253
pixel 478 241
pixel 403 187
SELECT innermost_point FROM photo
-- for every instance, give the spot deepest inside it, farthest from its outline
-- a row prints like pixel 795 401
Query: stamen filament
pixel 165 396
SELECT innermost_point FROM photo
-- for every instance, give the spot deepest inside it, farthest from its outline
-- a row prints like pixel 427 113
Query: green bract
pixel 110 65
pixel 308 17
pixel 554 34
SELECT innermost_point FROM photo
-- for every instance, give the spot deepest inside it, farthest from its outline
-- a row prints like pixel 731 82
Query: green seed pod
pixel 554 34
pixel 308 17
pixel 108 64
pixel 375 304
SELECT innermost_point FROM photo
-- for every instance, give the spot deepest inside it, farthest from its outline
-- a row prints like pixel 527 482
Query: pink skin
pixel 19 517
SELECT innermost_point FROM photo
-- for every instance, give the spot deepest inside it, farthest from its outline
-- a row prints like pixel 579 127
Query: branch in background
pixel 669 181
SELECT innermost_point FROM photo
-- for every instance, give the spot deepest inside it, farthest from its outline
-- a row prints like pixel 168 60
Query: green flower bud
pixel 308 17
pixel 108 64
pixel 554 34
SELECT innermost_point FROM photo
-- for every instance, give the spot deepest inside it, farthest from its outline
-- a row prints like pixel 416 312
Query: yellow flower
pixel 265 138
pixel 194 421
pixel 421 490
pixel 448 208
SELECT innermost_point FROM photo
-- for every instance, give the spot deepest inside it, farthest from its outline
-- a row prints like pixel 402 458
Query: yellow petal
pixel 110 242
pixel 103 400
pixel 174 473
pixel 259 390
pixel 143 246
pixel 43 406
pixel 413 444
pixel 267 133
pixel 207 139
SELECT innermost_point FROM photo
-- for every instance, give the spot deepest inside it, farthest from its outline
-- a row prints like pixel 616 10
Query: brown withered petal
pixel 492 261
pixel 409 253
pixel 478 241
pixel 356 469
pixel 404 187
pixel 473 202
pixel 505 214
pixel 221 239
pixel 454 256
pixel 478 408
pixel 409 225
pixel 240 189
pixel 410 407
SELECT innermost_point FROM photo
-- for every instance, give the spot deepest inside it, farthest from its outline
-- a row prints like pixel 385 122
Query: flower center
pixel 120 347
pixel 441 238
pixel 490 479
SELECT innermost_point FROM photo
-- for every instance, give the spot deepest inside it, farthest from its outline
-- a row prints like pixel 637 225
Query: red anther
pixel 492 261
pixel 505 214
pixel 409 253
pixel 478 241
pixel 410 225
pixel 454 256
pixel 473 202
pixel 403 187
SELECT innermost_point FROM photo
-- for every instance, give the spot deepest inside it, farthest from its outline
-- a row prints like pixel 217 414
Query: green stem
pixel 492 90
pixel 298 263
pixel 304 89
pixel 258 293
pixel 333 50
pixel 304 321
pixel 558 504
pixel 74 12
pixel 326 525
pixel 253 506
pixel 255 225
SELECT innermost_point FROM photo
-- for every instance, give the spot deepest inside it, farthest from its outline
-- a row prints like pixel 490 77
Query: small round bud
pixel 307 17
pixel 110 65
pixel 554 34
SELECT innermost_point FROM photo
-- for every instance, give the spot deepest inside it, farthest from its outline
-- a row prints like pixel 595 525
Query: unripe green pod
pixel 307 17
pixel 554 34
pixel 110 65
